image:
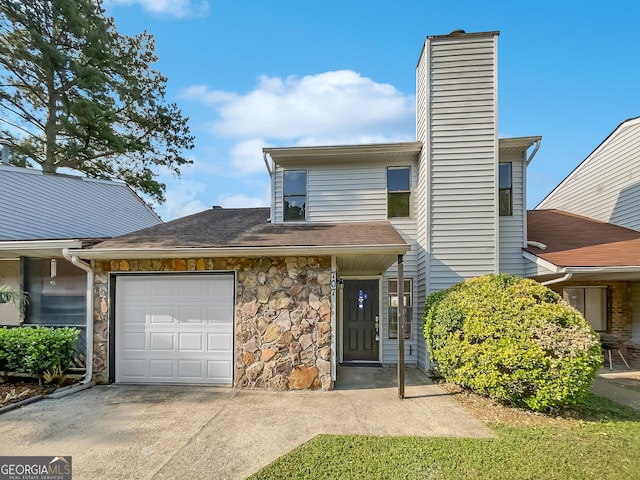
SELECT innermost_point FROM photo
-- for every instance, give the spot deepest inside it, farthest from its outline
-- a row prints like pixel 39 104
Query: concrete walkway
pixel 614 386
pixel 169 432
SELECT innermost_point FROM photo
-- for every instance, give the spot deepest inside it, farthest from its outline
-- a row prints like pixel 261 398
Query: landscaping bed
pixel 16 389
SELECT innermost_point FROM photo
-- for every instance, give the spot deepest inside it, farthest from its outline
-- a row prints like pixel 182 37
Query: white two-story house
pixel 278 297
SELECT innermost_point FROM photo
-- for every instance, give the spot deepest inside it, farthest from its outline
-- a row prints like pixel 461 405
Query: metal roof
pixel 34 205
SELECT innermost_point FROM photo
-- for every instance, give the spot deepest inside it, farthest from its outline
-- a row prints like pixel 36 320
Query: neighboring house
pixel 592 260
pixel 43 214
pixel 606 185
pixel 278 297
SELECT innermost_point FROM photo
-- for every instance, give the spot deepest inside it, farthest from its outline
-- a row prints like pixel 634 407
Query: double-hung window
pixel 505 182
pixel 393 308
pixel 398 192
pixel 294 199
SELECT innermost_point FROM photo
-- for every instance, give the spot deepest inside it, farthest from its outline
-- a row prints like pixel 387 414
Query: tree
pixel 74 93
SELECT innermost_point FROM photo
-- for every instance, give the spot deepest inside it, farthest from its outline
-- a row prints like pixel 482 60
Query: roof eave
pixel 300 250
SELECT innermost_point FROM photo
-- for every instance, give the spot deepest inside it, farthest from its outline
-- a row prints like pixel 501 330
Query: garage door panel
pixel 161 314
pixel 219 369
pixel 190 342
pixel 135 341
pixel 159 341
pixel 169 329
pixel 219 342
pixel 191 314
pixel 161 369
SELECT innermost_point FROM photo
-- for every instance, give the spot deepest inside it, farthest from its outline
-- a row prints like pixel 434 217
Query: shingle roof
pixel 249 227
pixel 576 241
pixel 47 206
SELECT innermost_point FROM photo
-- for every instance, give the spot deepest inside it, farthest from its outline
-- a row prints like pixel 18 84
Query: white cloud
pixel 342 105
pixel 246 156
pixel 181 199
pixel 173 8
pixel 242 201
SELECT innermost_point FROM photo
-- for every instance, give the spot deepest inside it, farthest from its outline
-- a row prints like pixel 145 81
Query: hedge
pixel 36 350
pixel 512 339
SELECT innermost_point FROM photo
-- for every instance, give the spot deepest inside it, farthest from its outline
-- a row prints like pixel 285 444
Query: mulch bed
pixel 15 390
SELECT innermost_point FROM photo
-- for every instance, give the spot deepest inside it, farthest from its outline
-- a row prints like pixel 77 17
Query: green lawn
pixel 601 441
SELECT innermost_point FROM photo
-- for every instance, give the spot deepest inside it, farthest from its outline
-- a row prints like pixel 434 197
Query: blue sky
pixel 251 74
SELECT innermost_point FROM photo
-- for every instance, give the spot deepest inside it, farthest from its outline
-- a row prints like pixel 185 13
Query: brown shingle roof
pixel 576 241
pixel 249 227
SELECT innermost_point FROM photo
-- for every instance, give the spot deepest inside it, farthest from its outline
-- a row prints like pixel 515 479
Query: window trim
pixel 606 302
pixel 305 196
pixel 409 191
pixel 408 331
pixel 510 190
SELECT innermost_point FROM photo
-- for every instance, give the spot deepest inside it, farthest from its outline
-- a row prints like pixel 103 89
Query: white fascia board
pixel 409 147
pixel 543 263
pixel 612 269
pixel 39 244
pixel 127 253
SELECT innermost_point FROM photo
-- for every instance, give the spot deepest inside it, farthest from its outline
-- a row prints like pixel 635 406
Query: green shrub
pixel 512 339
pixel 36 350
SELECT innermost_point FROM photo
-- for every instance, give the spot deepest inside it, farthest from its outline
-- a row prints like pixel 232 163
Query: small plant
pixel 513 340
pixel 12 395
pixel 55 377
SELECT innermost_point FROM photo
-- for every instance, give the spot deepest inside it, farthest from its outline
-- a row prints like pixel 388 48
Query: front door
pixel 360 316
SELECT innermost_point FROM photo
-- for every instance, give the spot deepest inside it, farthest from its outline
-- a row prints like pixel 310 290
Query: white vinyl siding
pixel 421 205
pixel 532 269
pixel 350 193
pixel 606 186
pixel 462 139
pixel 407 229
pixel 512 227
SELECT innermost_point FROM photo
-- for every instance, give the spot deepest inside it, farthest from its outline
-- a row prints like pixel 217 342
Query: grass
pixel 599 439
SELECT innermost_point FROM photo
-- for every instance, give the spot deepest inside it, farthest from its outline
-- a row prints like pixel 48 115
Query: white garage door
pixel 174 329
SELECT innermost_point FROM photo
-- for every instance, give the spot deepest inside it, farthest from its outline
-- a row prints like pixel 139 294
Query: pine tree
pixel 74 93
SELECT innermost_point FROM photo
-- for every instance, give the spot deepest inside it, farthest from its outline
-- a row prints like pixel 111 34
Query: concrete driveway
pixel 168 432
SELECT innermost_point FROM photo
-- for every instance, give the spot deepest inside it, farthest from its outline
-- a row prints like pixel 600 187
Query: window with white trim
pixel 398 192
pixel 591 302
pixel 393 307
pixel 294 199
pixel 505 185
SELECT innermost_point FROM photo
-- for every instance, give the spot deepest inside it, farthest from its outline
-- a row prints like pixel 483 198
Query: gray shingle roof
pixel 36 206
pixel 249 227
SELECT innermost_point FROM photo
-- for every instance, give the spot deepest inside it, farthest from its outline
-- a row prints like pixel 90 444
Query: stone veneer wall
pixel 282 317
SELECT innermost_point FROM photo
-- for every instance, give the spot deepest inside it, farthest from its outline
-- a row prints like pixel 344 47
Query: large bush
pixel 36 350
pixel 513 340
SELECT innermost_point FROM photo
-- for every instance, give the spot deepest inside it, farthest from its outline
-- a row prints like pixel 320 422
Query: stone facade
pixel 282 317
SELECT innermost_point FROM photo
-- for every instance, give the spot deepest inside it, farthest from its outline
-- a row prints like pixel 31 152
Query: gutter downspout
pixel 89 353
pixel 567 276
pixel 540 245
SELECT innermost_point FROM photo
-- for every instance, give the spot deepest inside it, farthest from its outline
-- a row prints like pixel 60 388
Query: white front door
pixel 174 329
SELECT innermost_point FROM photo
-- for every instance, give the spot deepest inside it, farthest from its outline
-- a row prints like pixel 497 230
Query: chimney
pixel 457 121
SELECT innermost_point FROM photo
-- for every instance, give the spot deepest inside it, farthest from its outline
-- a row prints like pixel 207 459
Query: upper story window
pixel 294 198
pixel 398 192
pixel 505 182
